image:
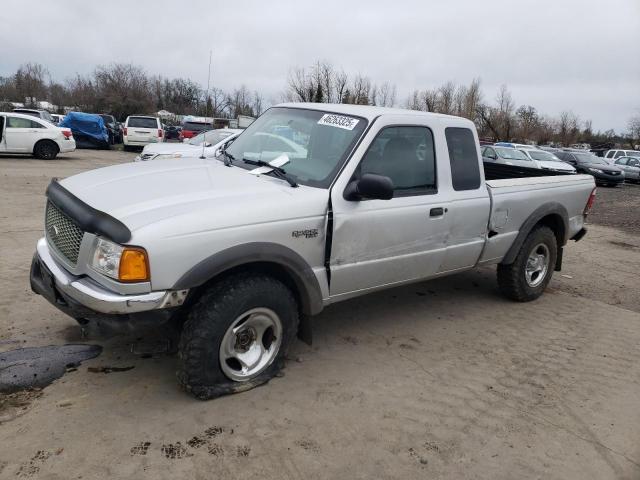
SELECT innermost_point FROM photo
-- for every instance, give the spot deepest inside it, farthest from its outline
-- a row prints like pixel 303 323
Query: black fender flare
pixel 291 262
pixel 548 209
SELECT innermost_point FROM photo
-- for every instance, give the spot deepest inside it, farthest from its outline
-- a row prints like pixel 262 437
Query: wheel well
pixel 45 140
pixel 555 222
pixel 272 269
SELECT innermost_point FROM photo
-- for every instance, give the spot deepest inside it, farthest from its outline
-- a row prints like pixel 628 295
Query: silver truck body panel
pixel 184 212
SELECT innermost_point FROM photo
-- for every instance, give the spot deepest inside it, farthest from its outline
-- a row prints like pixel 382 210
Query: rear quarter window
pixel 142 122
pixel 463 158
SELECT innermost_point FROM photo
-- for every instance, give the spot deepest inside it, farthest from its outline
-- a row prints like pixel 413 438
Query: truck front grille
pixel 62 233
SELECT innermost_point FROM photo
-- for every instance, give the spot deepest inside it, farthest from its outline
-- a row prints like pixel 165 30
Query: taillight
pixel 67 133
pixel 124 132
pixel 160 133
pixel 592 198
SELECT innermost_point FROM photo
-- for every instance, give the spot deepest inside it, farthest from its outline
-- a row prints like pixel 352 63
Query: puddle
pixel 37 367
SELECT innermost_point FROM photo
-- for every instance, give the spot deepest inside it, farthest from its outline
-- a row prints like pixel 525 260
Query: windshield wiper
pixel 277 171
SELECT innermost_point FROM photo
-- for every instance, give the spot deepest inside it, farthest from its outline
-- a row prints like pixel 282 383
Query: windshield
pixel 588 158
pixel 511 153
pixel 196 126
pixel 316 142
pixel 211 137
pixel 142 122
pixel 543 156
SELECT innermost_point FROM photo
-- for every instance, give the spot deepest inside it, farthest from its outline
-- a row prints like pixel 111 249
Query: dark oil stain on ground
pixel 26 368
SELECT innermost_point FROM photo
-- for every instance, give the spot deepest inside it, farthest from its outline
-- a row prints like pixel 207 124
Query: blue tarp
pixel 86 125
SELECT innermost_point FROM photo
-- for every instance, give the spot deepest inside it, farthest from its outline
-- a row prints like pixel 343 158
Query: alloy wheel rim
pixel 250 344
pixel 537 265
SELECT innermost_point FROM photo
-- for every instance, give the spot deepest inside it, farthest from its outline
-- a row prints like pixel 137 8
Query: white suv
pixel 20 133
pixel 140 130
pixel 614 154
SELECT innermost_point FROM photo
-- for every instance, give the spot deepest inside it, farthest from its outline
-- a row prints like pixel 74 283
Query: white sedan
pixel 547 160
pixel 20 133
pixel 212 139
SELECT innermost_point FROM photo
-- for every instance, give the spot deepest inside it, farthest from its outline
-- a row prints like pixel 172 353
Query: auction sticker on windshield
pixel 339 121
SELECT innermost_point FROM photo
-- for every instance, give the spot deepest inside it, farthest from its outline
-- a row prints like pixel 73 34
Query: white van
pixel 140 130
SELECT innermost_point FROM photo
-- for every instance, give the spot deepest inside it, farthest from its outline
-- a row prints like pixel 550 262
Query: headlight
pixel 597 170
pixel 125 264
pixel 165 156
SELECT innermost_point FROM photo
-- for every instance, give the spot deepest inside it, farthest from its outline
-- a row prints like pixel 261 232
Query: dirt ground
pixel 442 379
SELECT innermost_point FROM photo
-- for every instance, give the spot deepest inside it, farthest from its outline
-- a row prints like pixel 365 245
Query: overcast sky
pixel 579 55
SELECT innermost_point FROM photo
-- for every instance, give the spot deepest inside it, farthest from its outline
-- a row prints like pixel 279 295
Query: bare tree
pixel 31 82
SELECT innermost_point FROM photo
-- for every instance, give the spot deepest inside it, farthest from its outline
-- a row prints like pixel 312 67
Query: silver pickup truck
pixel 312 204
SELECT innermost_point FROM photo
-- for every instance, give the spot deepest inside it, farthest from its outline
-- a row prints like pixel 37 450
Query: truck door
pixel 469 203
pixel 382 242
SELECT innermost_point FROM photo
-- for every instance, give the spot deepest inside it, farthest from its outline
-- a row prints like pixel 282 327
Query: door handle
pixel 437 212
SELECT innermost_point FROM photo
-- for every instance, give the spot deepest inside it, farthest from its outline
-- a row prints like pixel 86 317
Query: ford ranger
pixel 312 204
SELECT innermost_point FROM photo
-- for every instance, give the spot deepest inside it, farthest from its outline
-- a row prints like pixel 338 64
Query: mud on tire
pixel 512 279
pixel 200 371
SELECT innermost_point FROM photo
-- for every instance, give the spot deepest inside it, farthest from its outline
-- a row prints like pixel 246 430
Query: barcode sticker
pixel 339 121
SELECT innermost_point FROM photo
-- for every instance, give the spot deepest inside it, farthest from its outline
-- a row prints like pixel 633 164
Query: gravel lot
pixel 442 379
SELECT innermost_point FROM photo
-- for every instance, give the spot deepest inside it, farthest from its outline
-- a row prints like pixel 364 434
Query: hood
pixel 192 195
pixel 603 167
pixel 168 147
pixel 553 165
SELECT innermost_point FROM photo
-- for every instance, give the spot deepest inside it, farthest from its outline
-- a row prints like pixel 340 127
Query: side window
pixel 609 154
pixel 463 156
pixel 407 156
pixel 15 122
pixel 36 124
pixel 619 154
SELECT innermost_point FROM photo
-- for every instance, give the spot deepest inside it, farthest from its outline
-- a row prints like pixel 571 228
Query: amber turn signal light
pixel 134 266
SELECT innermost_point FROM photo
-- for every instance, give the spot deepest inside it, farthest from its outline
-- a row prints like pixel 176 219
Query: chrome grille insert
pixel 62 233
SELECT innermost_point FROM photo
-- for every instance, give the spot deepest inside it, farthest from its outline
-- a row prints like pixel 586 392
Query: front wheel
pixel 528 276
pixel 236 335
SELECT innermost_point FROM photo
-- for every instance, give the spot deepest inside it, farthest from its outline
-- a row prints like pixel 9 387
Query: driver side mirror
pixel 369 187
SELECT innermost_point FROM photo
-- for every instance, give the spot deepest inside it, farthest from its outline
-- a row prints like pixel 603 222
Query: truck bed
pixel 515 199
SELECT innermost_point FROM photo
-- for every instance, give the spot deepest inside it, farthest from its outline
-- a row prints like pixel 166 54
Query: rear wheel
pixel 236 336
pixel 45 150
pixel 527 277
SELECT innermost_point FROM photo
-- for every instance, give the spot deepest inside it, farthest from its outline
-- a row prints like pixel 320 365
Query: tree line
pixel 123 89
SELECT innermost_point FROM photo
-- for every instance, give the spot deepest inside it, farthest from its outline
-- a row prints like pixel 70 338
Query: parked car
pixel 631 167
pixel 191 128
pixel 193 148
pixel 20 133
pixel 43 114
pixel 613 154
pixel 88 129
pixel 141 130
pixel 547 160
pixel 507 156
pixel 603 173
pixel 113 128
pixel 57 118
pixel 172 131
pixel 243 250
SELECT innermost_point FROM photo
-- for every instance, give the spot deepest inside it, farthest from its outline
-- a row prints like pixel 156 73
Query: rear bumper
pixel 67 146
pixel 141 143
pixel 81 297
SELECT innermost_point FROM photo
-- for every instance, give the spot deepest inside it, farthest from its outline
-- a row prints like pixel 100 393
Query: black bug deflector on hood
pixel 88 218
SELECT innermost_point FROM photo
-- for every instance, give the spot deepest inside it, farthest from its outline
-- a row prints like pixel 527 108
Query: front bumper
pixel 82 297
